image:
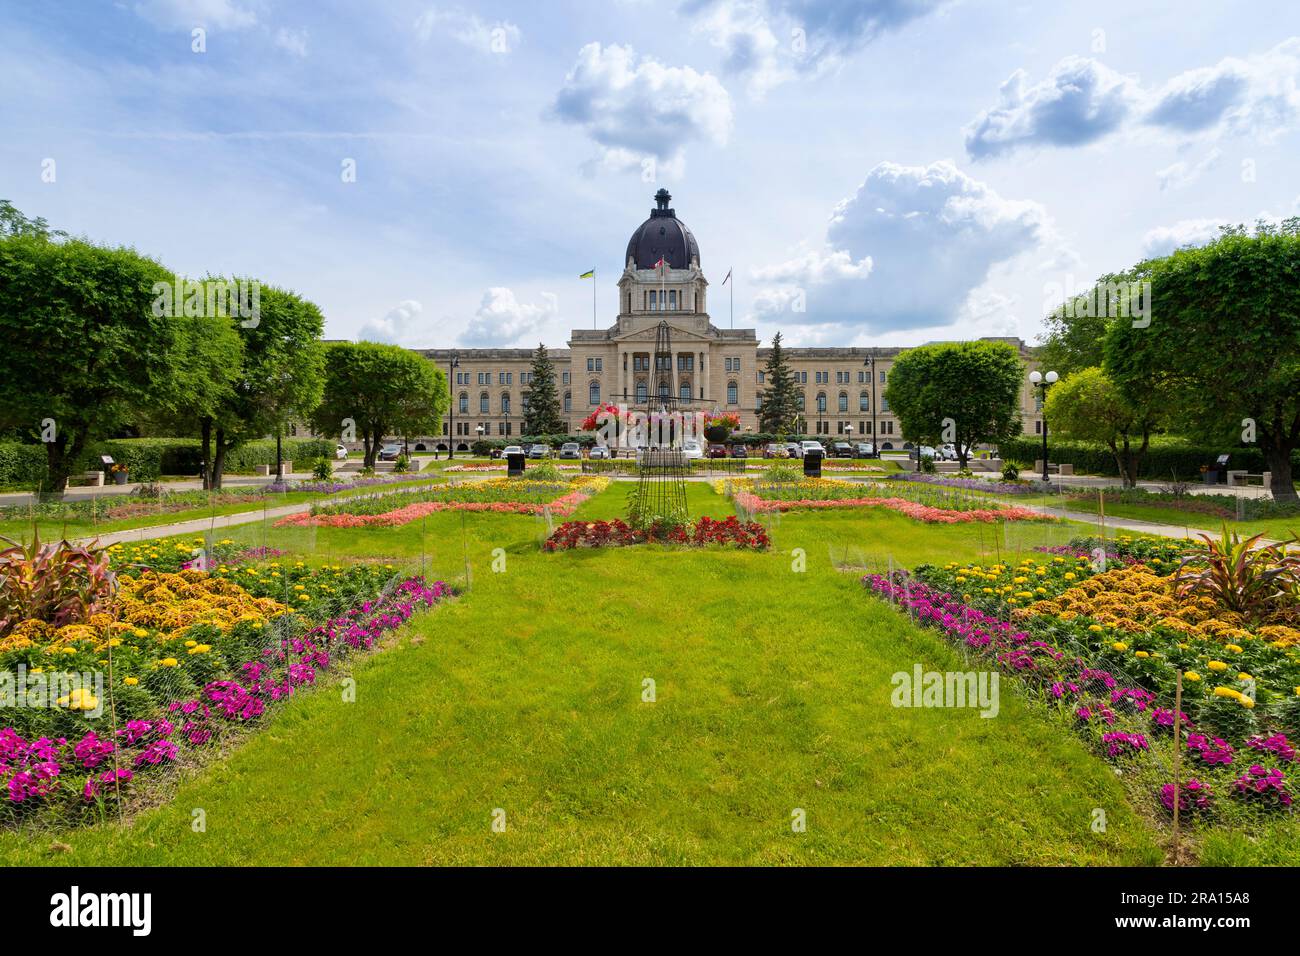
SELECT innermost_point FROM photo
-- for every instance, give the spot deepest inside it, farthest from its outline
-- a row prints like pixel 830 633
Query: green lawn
pixel 20 529
pixel 773 691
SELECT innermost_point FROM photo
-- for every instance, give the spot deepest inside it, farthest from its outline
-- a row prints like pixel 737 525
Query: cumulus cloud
pixel 396 327
pixel 638 108
pixel 468 29
pixel 1081 101
pixel 502 320
pixel 1186 232
pixel 769 42
pixel 906 250
pixel 187 14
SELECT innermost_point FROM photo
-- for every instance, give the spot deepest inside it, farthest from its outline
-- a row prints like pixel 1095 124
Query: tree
pixel 14 223
pixel 781 396
pixel 84 349
pixel 959 392
pixel 382 390
pixel 1087 406
pixel 1076 331
pixel 1222 347
pixel 541 401
pixel 281 374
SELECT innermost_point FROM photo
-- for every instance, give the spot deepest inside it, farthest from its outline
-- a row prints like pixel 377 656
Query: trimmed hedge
pixel 147 459
pixel 1165 459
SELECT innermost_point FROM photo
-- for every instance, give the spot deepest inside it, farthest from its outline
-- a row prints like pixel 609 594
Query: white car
pixel 599 452
pixel 341 451
pixel 691 448
pixel 512 450
pixel 811 446
pixel 948 452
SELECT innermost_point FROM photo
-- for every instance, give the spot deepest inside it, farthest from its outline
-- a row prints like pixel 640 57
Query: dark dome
pixel 663 234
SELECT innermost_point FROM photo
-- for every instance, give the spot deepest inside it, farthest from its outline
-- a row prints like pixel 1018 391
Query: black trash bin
pixel 514 465
pixel 812 464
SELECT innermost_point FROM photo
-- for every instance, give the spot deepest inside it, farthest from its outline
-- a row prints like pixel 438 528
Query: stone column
pixel 708 370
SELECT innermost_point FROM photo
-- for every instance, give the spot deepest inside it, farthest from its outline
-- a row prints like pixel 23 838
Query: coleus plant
pixel 1239 573
pixel 58 583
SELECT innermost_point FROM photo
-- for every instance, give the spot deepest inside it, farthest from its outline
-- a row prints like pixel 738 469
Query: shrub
pixel 55 583
pixel 402 464
pixel 1167 458
pixel 322 468
pixel 1010 471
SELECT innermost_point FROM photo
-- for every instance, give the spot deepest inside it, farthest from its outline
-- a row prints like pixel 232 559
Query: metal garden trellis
pixel 662 465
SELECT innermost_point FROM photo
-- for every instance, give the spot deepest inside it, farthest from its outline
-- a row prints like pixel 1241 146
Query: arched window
pixel 684 391
pixel 733 393
pixel 483 403
pixel 505 403
pixel 593 393
pixel 864 401
pixel 642 391
pixel 463 404
pixel 844 401
pixel 663 388
pixel 568 401
pixel 821 403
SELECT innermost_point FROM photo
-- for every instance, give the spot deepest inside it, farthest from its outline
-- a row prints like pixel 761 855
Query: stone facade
pixel 713 369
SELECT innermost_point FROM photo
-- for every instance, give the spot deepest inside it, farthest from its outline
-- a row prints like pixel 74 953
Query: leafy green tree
pixel 781 395
pixel 281 376
pixel 541 399
pixel 1087 406
pixel 382 390
pixel 1076 331
pixel 83 347
pixel 1222 347
pixel 14 223
pixel 962 392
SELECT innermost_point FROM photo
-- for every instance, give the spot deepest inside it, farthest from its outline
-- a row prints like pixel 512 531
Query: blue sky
pixel 875 171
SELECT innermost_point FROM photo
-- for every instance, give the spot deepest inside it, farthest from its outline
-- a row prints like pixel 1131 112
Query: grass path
pixel 772 693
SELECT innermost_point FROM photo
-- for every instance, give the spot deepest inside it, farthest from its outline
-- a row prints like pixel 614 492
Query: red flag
pixel 660 265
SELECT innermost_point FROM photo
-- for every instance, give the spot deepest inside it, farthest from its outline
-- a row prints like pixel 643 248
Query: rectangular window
pixel 884 404
pixel 672 300
pixel 591 365
pixel 565 378
pixel 598 364
pixel 882 378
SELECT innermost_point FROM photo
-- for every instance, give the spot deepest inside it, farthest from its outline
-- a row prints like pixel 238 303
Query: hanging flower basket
pixel 719 426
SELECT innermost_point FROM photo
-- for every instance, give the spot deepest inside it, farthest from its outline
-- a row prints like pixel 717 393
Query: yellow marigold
pixel 1141 654
pixel 1217 666
pixel 1226 692
pixel 169 662
pixel 1191 675
pixel 131 681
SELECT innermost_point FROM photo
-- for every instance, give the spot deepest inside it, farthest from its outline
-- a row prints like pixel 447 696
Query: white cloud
pixel 641 108
pixel 907 249
pixel 396 327
pixel 502 320
pixel 769 42
pixel 1187 232
pixel 293 41
pixel 187 14
pixel 468 29
pixel 1182 173
pixel 1080 101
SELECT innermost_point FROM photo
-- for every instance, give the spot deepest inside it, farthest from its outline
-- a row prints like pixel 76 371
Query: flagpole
pixel 593 298
pixel 733 296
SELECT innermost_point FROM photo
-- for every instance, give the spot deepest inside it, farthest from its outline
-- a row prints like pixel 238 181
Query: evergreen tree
pixel 781 397
pixel 541 401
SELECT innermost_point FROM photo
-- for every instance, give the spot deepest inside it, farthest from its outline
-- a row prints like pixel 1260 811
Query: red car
pixel 716 450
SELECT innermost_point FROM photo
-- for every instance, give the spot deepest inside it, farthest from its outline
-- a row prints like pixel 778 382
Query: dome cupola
pixel 662 235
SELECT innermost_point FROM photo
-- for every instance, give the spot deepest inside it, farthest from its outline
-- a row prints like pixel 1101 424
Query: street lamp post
pixel 452 365
pixel 1043 383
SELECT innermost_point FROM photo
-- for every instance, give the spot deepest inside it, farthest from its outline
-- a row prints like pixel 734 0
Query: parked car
pixel 739 450
pixel 794 449
pixel 691 448
pixel 948 452
pixel 390 452
pixel 716 450
pixel 925 451
pixel 598 452
pixel 842 449
pixel 341 451
pixel 570 449
pixel 864 449
pixel 539 451
pixel 513 450
pixel 775 450
pixel 815 447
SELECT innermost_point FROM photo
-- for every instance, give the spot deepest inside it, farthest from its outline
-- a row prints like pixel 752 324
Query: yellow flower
pixel 1217 666
pixel 1069 575
pixel 200 648
pixel 1244 676
pixel 140 632
pixel 168 662
pixel 1192 675
pixel 1234 648
pixel 1141 654
pixel 1117 646
pixel 1226 692
pixel 1246 702
pixel 131 681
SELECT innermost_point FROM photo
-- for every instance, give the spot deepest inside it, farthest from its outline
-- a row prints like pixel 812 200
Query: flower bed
pixel 761 497
pixel 730 532
pixel 192 656
pixel 993 486
pixel 1103 649
pixel 475 467
pixel 498 495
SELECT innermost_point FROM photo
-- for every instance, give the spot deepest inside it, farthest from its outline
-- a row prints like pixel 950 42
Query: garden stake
pixel 1178 750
